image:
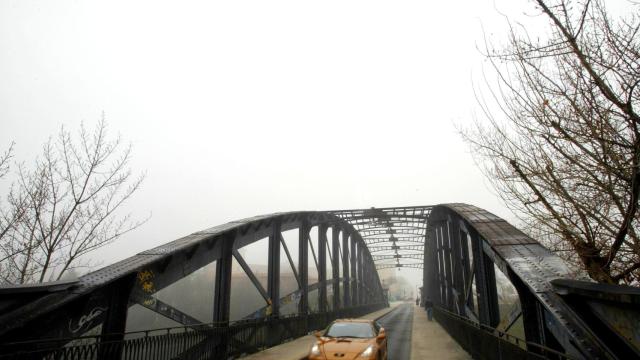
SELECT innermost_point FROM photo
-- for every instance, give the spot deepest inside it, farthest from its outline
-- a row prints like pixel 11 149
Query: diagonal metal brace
pixel 164 309
pixel 293 266
pixel 251 275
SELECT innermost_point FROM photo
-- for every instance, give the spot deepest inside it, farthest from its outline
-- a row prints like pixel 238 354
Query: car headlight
pixel 315 350
pixel 367 352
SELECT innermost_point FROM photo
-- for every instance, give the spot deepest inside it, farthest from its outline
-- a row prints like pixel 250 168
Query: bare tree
pixel 563 146
pixel 11 211
pixel 68 205
pixel 4 161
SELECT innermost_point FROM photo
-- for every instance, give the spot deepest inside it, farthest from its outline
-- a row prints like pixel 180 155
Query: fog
pixel 242 108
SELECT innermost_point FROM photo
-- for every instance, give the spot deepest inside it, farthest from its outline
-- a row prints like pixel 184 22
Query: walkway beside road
pixel 299 348
pixel 430 341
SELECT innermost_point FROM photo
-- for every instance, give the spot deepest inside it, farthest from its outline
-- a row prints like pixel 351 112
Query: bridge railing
pixel 485 342
pixel 213 340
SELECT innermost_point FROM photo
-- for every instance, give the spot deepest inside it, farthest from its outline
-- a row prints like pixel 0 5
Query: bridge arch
pixel 486 278
pixel 472 255
pixel 493 285
pixel 102 298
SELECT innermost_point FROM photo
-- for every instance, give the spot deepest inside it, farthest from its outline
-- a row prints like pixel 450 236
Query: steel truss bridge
pixel 497 292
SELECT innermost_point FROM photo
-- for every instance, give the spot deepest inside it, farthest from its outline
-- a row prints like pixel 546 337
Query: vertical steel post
pixel 448 276
pixel 346 287
pixel 222 295
pixel 303 266
pixel 492 291
pixel 355 280
pixel 273 282
pixel 478 268
pixel 366 295
pixel 485 284
pixel 222 298
pixel 335 266
pixel 362 274
pixel 456 261
pixel 116 317
pixel 361 287
pixel 425 270
pixel 464 243
pixel 430 283
pixel 532 317
pixel 442 284
pixel 322 264
pixel 115 321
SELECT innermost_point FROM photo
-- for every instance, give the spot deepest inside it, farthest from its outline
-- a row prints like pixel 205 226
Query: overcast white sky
pixel 239 108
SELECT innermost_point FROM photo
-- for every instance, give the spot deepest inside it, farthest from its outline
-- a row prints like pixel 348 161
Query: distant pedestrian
pixel 428 304
pixel 417 301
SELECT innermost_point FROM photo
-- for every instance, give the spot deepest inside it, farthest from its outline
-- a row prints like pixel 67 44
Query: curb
pixel 387 313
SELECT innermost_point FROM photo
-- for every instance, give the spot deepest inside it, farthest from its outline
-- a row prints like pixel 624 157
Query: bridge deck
pixel 299 348
pixel 428 340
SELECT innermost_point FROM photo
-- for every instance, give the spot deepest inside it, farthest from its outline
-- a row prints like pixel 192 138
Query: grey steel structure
pixel 464 250
pixel 461 249
pixel 102 298
pixel 467 248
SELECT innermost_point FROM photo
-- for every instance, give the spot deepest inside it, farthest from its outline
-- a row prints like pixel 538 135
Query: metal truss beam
pixel 389 266
pixel 378 233
pixel 374 249
pixel 397 228
pixel 401 239
pixel 397 256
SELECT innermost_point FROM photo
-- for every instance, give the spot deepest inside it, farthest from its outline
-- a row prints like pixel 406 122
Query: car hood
pixel 344 348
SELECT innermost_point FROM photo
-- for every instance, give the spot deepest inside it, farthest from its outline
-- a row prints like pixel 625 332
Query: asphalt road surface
pixel 398 324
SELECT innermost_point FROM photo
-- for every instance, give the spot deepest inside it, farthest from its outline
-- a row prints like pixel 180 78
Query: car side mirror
pixel 381 335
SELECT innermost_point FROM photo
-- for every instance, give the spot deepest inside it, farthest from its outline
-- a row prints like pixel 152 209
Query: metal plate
pixel 533 263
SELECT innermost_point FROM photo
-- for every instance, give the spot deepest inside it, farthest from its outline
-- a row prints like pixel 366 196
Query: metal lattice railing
pixel 200 342
pixel 485 342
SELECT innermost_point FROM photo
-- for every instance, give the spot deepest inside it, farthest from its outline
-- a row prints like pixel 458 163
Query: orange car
pixel 348 339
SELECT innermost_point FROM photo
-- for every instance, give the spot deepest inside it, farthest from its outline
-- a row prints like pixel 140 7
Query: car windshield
pixel 350 329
